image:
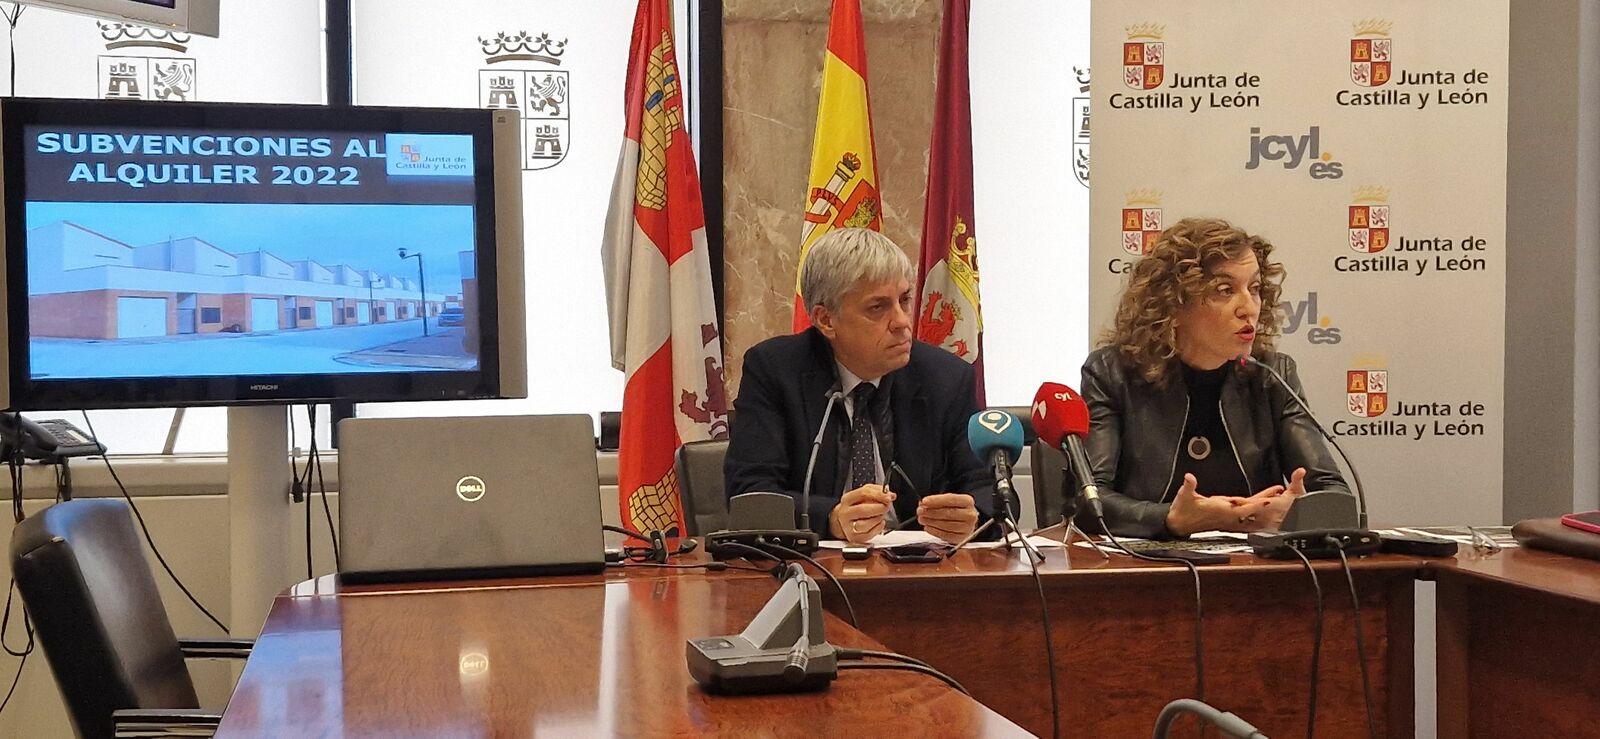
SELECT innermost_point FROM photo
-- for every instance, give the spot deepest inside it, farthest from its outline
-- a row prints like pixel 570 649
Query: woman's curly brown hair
pixel 1180 268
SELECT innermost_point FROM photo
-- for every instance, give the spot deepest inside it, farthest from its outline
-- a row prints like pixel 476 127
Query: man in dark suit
pixel 896 444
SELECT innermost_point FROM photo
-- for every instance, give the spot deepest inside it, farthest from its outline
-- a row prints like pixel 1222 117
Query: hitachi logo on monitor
pixel 262 387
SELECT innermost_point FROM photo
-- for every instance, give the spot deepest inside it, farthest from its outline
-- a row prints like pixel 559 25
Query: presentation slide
pixel 178 252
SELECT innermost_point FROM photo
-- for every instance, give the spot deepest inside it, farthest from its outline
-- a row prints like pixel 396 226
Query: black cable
pixel 1007 519
pixel 147 539
pixel 850 653
pixel 757 552
pixel 657 549
pixel 924 669
pixel 1199 608
pixel 5 624
pixel 322 485
pixel 305 500
pixel 11 41
pixel 14 463
pixel 14 681
pixel 27 649
pixel 1316 646
pixel 297 493
pixel 835 580
pixel 1361 648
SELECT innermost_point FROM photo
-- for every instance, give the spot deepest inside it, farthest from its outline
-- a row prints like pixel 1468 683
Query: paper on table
pixel 903 538
pixel 1041 542
pixel 1219 542
pixel 888 539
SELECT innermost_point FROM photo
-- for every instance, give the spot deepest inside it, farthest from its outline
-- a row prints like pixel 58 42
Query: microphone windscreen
pixel 995 429
pixel 1059 411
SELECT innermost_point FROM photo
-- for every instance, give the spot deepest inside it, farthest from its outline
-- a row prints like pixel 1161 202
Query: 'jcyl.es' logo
pixel 145 77
pixel 1370 51
pixel 538 94
pixel 1294 151
pixel 1369 220
pixel 1144 56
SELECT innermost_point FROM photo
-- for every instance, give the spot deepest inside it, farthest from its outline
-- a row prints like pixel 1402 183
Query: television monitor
pixel 164 254
pixel 192 16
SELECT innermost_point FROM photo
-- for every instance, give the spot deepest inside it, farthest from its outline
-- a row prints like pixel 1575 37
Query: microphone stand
pixel 1005 494
pixel 1068 524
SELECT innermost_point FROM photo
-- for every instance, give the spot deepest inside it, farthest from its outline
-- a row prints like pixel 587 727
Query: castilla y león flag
pixel 949 314
pixel 842 191
pixel 658 286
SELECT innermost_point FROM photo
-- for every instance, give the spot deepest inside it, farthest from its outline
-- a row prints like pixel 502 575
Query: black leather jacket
pixel 1136 428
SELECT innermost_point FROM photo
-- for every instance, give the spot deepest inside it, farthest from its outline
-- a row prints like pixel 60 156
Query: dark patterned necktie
pixel 863 462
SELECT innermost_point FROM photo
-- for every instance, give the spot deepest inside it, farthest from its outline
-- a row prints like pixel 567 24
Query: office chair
pixel 1049 479
pixel 95 608
pixel 699 466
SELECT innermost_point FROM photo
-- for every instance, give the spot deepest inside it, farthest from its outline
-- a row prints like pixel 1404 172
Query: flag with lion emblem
pixel 948 314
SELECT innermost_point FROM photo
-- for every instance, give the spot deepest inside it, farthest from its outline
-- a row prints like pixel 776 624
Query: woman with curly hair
pixel 1185 436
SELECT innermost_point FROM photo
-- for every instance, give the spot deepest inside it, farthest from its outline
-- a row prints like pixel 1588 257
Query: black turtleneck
pixel 1205 451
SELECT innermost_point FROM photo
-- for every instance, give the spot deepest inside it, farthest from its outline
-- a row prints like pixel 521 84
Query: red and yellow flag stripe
pixel 842 190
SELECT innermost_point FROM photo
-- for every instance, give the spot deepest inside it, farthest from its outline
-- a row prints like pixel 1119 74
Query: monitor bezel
pixel 201 17
pixel 25 393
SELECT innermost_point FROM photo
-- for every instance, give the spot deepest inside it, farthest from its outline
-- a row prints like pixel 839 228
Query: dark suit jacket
pixel 781 400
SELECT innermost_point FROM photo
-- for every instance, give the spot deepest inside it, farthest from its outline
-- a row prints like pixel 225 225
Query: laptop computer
pixel 491 496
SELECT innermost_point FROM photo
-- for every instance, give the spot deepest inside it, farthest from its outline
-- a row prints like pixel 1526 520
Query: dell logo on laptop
pixel 470 488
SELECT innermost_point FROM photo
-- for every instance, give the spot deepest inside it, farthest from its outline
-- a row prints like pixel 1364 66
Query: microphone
pixel 799 657
pixel 1061 419
pixel 759 519
pixel 1361 497
pixel 834 396
pixel 996 438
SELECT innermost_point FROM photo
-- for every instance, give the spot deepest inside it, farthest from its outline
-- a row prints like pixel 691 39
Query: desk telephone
pixel 49 439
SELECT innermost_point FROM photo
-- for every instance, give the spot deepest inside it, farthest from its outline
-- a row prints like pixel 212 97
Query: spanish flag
pixel 949 315
pixel 843 189
pixel 663 322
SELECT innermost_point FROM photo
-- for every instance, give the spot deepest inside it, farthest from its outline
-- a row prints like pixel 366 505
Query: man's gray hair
pixel 846 257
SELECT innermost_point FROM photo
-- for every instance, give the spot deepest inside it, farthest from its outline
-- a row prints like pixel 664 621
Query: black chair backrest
pixel 1025 415
pixel 699 466
pixel 95 608
pixel 1049 483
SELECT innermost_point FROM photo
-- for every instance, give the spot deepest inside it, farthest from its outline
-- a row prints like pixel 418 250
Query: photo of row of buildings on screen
pixel 86 285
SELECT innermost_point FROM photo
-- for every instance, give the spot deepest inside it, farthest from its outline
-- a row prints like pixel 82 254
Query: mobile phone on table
pixel 855 553
pixel 1192 555
pixel 914 553
pixel 1587 521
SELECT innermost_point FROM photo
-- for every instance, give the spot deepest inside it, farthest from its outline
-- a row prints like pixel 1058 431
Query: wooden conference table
pixel 602 655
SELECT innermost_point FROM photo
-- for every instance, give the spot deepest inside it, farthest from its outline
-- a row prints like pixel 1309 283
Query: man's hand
pixel 859 515
pixel 949 516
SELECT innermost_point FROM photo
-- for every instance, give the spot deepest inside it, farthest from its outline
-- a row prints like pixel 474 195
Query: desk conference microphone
pixel 759 518
pixel 1061 419
pixel 782 650
pixel 1361 496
